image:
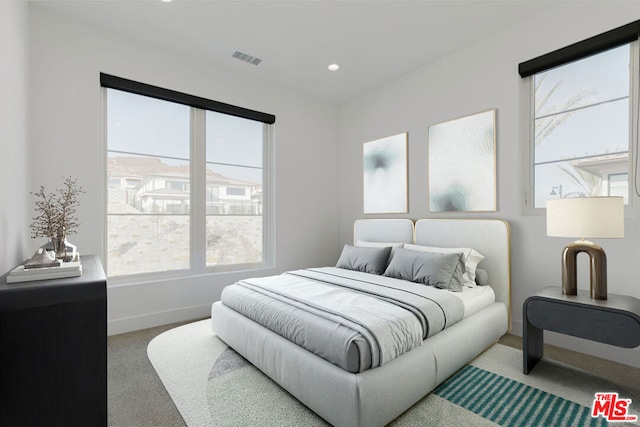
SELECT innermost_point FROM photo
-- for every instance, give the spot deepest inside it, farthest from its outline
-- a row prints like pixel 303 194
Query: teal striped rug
pixel 510 403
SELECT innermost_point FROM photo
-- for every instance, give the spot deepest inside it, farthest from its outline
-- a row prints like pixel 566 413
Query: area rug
pixel 212 385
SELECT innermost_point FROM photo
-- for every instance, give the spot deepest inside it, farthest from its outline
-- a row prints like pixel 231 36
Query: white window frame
pixel 528 135
pixel 198 215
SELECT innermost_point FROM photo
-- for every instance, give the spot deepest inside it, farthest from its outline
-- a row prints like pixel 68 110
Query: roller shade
pixel 138 88
pixel 600 43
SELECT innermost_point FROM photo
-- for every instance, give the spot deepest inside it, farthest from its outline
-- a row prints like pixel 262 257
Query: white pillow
pixel 393 246
pixel 471 260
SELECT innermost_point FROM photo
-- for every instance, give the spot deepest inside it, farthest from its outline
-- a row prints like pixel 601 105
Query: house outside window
pixel 582 128
pixel 171 211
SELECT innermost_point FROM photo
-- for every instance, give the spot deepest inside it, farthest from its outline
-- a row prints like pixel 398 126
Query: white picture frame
pixel 462 164
pixel 385 183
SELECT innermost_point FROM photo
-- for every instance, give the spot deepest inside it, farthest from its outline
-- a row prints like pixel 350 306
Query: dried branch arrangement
pixel 55 212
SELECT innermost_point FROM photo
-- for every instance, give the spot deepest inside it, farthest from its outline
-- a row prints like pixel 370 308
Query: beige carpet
pixel 211 386
pixel 136 396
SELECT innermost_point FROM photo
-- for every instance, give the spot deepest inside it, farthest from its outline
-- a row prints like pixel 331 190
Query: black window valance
pixel 138 88
pixel 600 43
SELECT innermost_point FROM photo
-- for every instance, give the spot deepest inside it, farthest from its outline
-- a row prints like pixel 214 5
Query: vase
pixel 59 248
pixel 63 250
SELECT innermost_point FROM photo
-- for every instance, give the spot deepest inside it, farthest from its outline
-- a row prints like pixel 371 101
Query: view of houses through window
pixel 151 192
pixel 582 128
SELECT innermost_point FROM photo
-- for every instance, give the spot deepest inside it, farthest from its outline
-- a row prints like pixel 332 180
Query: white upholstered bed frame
pixel 377 396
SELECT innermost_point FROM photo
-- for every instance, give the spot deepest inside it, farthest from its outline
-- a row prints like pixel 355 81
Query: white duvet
pixel 355 320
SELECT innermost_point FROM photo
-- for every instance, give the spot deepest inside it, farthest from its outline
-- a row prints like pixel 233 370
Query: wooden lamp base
pixel 598 269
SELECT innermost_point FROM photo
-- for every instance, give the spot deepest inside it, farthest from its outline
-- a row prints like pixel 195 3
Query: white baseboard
pixel 516 327
pixel 150 320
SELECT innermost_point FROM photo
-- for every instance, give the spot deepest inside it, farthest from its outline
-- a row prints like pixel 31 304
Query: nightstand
pixel 614 321
pixel 53 350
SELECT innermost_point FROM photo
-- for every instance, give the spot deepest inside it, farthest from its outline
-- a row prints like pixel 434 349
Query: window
pixel 132 182
pixel 235 169
pixel 195 183
pixel 178 185
pixel 582 129
pixel 619 185
pixel 235 191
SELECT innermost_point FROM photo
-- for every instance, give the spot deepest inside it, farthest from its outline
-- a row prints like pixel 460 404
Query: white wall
pixel 480 77
pixel 65 138
pixel 14 217
pixel 66 121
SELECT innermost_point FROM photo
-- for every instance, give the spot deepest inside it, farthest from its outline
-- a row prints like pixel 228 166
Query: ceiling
pixel 374 42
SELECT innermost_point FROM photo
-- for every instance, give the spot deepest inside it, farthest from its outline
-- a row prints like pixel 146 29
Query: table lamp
pixel 585 217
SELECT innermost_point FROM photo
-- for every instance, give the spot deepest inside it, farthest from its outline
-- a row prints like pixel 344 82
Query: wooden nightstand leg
pixel 532 345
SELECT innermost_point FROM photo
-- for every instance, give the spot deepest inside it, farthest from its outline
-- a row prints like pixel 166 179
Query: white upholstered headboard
pixel 490 237
pixel 383 230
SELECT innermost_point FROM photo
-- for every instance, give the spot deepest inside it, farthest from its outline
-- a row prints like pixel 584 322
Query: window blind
pixel 119 83
pixel 596 44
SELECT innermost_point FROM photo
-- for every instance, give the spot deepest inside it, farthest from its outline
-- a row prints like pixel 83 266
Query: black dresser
pixel 53 350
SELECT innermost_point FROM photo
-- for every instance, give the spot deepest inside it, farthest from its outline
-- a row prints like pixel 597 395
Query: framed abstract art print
pixel 385 175
pixel 462 164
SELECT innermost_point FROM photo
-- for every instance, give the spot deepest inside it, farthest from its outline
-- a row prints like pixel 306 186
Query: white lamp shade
pixel 586 217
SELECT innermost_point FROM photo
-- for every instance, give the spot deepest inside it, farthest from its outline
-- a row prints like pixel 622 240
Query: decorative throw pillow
pixel 442 270
pixel 471 259
pixel 482 277
pixel 368 260
pixel 393 246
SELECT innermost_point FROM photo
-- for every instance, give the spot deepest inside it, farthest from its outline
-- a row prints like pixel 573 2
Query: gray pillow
pixel 482 277
pixel 442 270
pixel 368 260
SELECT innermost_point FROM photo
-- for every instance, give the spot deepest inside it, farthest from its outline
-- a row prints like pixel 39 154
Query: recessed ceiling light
pixel 333 67
pixel 166 1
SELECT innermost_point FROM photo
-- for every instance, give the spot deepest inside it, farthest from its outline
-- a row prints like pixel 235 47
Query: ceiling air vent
pixel 246 58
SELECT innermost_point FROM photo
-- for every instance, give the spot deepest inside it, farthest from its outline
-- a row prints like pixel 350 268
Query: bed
pixel 376 396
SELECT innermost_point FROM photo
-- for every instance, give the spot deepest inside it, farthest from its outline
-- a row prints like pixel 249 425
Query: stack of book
pixel 65 269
